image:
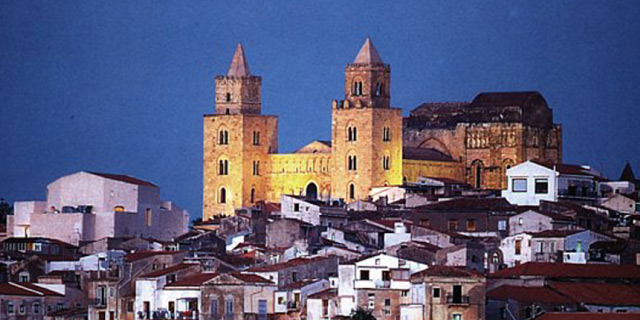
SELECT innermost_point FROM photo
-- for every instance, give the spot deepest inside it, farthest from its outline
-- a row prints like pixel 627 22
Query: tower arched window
pixel 352 134
pixel 352 163
pixel 386 162
pixel 223 195
pixel 223 137
pixel 228 97
pixel 352 191
pixel 253 195
pixel 386 134
pixel 378 91
pixel 223 167
pixel 357 88
pixel 256 167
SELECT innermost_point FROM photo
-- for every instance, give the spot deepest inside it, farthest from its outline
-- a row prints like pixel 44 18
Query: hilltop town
pixel 460 210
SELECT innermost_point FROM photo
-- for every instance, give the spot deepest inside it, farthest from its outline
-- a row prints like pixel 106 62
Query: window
pixel 502 225
pixel 296 207
pixel 36 307
pixel 147 217
pixel 352 134
pixel 519 185
pixel 386 163
pixel 386 134
pixel 404 293
pixel 520 221
pixel 24 276
pixel 357 88
pixel 101 295
pixel 252 196
pixel 228 97
pixel 386 275
pixel 542 186
pixel 352 191
pixel 471 224
pixel 10 307
pixel 223 167
pixel 352 164
pixel 425 223
pixel 229 306
pixel 552 247
pixel 456 316
pixel 223 137
pixel 518 246
pixel 540 247
pixel 22 309
pixel 256 167
pixel 436 292
pixel 364 274
pixel 223 195
pixel 294 277
pixel 457 293
pixel 256 138
pixel 453 224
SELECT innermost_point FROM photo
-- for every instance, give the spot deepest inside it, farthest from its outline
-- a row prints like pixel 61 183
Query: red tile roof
pixel 25 289
pixel 529 294
pixel 285 265
pixel 589 316
pixel 124 178
pixel 554 233
pixel 605 294
pixel 326 294
pixel 470 204
pixel 568 270
pixel 194 280
pixel 165 271
pixel 199 279
pixel 139 255
pixel 443 271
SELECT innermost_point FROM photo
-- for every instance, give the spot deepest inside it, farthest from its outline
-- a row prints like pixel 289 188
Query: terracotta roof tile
pixel 139 255
pixel 589 316
pixel 124 178
pixel 165 271
pixel 443 271
pixel 284 265
pixel 605 294
pixel 568 270
pixel 529 294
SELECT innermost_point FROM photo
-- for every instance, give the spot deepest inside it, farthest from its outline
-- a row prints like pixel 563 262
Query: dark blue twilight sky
pixel 121 87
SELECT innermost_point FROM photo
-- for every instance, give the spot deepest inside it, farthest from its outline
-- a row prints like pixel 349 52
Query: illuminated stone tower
pixel 367 132
pixel 237 141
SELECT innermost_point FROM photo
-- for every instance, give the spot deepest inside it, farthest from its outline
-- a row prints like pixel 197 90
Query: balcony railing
pixel 451 299
pixel 97 303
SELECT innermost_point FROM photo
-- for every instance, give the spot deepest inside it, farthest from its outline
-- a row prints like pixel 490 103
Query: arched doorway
pixel 312 191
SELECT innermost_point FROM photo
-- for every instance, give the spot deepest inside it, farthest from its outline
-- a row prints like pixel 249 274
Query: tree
pixel 362 314
pixel 5 210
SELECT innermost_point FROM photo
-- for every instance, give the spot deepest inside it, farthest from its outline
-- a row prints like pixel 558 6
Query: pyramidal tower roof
pixel 239 66
pixel 368 54
pixel 627 174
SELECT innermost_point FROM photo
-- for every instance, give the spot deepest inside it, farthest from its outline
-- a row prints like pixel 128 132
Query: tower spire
pixel 239 66
pixel 368 54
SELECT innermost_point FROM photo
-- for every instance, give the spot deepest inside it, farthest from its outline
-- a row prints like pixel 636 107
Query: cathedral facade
pixel 371 145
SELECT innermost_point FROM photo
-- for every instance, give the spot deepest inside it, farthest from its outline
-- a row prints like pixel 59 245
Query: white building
pixel 372 272
pixel 530 182
pixel 88 206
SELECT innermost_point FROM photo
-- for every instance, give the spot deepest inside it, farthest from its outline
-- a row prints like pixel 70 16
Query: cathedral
pixel 371 145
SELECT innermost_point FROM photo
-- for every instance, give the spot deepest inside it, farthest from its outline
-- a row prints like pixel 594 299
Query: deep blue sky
pixel 121 87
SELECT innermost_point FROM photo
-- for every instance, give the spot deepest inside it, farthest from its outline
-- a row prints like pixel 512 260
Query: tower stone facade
pixel 237 142
pixel 367 132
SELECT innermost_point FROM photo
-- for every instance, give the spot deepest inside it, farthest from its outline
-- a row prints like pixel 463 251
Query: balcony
pixel 459 300
pixel 97 302
pixel 293 305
